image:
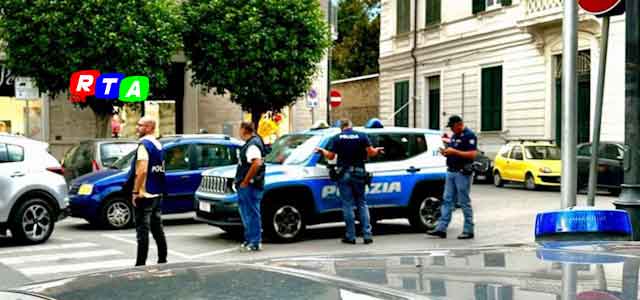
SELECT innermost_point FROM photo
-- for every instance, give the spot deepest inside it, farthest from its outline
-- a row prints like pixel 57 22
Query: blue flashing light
pixel 374 123
pixel 577 225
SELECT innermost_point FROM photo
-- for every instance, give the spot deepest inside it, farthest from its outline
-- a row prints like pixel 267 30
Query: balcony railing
pixel 539 8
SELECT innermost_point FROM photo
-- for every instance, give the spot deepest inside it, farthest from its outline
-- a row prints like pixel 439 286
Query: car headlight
pixel 85 189
pixel 545 170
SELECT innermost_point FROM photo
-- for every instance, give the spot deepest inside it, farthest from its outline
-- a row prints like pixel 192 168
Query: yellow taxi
pixel 532 163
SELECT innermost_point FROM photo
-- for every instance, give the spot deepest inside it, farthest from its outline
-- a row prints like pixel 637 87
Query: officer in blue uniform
pixel 250 182
pixel 352 149
pixel 460 153
pixel 147 177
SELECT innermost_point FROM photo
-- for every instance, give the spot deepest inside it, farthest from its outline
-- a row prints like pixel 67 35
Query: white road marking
pixel 68 268
pixel 59 256
pixel 47 248
pixel 223 251
pixel 124 240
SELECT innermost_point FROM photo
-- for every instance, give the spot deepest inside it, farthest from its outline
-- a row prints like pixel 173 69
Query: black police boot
pixel 466 236
pixel 347 241
pixel 440 234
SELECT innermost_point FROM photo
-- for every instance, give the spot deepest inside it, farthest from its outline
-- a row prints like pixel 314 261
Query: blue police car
pixel 408 183
pixel 98 197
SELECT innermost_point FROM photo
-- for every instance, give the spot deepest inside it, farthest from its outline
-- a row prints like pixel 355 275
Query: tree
pixel 356 51
pixel 49 40
pixel 263 53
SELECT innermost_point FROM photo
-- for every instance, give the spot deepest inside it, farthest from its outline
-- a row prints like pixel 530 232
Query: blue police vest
pixel 155 171
pixel 244 166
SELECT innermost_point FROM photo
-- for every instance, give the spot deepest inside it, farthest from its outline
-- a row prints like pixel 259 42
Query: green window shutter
pixel 491 99
pixel 401 99
pixel 433 12
pixel 506 2
pixel 434 102
pixel 479 6
pixel 403 15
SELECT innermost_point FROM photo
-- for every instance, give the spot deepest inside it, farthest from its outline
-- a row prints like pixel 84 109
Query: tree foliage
pixel 50 39
pixel 264 53
pixel 356 51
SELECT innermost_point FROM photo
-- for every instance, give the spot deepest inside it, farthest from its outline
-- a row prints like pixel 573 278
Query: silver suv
pixel 33 192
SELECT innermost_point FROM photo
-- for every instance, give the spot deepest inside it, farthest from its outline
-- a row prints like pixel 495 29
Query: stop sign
pixel 602 7
pixel 336 98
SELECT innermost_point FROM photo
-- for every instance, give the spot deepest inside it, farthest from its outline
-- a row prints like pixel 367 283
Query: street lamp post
pixel 569 104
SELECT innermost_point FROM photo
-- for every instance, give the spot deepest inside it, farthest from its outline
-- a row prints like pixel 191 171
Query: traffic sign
pixel 312 99
pixel 26 88
pixel 336 98
pixel 602 7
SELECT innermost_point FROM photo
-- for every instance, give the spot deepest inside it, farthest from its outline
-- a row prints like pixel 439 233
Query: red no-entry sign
pixel 602 7
pixel 336 98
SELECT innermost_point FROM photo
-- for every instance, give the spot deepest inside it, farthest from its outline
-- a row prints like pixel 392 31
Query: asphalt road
pixel 502 215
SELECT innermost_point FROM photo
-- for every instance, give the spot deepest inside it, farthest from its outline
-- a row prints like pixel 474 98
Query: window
pixel 516 153
pixel 495 260
pixel 209 156
pixel 68 156
pixel 403 15
pixel 83 158
pixel 492 99
pixel 504 152
pixel 542 152
pixel 493 292
pixel 401 107
pixel 482 5
pixel 434 101
pixel 584 150
pixel 410 284
pixel 433 12
pixel 438 261
pixel 177 158
pixel 396 147
pixel 407 260
pixel 610 151
pixel 438 288
pixel 419 144
pixel 109 153
pixel 11 153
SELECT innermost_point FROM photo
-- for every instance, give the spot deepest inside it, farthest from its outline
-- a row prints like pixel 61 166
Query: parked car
pixel 408 181
pixel 532 163
pixel 33 192
pixel 94 155
pixel 610 166
pixel 98 198
pixel 520 272
pixel 482 168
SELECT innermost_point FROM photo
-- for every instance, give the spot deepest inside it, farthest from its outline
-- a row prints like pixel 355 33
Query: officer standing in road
pixel 250 183
pixel 460 153
pixel 148 178
pixel 353 149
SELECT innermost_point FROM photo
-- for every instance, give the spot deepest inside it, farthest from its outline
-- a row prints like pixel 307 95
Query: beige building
pixel 62 124
pixel 360 99
pixel 495 62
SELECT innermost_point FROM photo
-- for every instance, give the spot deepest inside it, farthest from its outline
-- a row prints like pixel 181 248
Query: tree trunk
pixel 255 118
pixel 102 125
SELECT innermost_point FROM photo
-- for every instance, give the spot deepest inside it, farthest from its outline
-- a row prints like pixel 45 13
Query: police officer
pixel 460 153
pixel 250 183
pixel 352 149
pixel 148 180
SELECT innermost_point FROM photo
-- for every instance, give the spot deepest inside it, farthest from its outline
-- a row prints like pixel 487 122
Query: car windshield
pixel 293 149
pixel 110 153
pixel 542 152
pixel 124 162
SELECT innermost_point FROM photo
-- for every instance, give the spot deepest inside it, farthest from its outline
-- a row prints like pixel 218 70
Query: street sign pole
pixel 630 198
pixel 569 104
pixel 595 140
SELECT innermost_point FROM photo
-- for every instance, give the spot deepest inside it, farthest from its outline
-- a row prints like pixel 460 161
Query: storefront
pixel 18 116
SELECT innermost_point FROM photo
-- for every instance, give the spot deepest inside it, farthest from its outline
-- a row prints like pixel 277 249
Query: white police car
pixel 408 183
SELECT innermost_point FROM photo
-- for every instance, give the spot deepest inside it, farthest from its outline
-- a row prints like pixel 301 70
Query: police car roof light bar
pixel 582 225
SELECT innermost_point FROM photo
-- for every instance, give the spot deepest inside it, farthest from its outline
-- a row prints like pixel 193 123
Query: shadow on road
pixel 168 222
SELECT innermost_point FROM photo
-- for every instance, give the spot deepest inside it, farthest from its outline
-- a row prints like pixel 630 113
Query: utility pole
pixel 569 104
pixel 630 198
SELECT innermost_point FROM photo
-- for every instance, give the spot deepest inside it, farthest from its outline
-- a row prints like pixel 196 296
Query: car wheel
pixel 117 213
pixel 424 213
pixel 530 182
pixel 497 179
pixel 283 221
pixel 33 222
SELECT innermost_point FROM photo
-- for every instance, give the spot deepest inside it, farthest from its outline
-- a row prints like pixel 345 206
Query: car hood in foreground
pixel 608 271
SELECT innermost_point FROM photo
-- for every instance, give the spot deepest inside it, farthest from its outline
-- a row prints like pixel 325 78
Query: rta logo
pixel 108 86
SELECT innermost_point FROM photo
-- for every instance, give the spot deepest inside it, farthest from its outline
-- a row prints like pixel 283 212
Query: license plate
pixel 204 206
pixel 482 177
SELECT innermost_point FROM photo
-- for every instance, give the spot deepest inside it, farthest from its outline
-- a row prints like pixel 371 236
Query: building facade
pixel 360 99
pixel 498 64
pixel 182 108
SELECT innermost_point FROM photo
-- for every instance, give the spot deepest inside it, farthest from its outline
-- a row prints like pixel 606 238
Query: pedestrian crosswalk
pixel 42 262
